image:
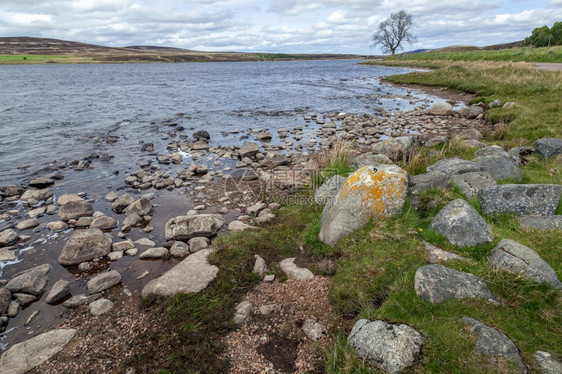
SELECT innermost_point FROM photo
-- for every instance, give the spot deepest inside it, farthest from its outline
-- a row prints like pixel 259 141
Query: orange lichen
pixel 381 191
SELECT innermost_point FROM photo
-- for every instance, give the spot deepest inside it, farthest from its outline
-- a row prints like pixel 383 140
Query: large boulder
pixel 396 149
pixel 492 342
pixel 438 283
pixel 367 193
pixel 441 109
pixel 471 183
pixel 187 227
pixel 500 167
pixel 452 166
pixel 424 182
pixel 394 347
pixel 104 281
pixel 461 224
pixel 520 199
pixel 191 275
pixel 516 258
pixel 24 356
pixel 549 147
pixel 32 281
pixel 85 245
pixel 327 192
pixel 75 210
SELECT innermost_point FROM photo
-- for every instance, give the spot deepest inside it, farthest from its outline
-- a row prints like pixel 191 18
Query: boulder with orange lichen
pixel 367 193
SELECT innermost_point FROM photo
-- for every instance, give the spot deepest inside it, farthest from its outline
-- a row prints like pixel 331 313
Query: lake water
pixel 62 112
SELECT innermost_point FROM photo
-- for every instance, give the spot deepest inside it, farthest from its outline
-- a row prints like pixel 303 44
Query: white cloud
pixel 272 25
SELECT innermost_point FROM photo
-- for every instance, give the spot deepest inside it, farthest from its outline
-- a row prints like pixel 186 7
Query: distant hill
pixel 463 48
pixel 18 46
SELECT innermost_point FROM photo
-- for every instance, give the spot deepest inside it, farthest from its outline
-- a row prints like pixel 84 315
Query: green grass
pixel 552 54
pixel 42 59
pixel 537 93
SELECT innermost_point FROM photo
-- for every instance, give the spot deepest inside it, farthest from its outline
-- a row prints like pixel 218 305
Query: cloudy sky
pixel 291 26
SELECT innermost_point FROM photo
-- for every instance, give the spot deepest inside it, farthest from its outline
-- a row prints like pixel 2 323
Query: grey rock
pixel 471 133
pixel 471 183
pixel 154 253
pixel 122 202
pixel 25 299
pixel 122 246
pixel 191 275
pixel 38 195
pixel 5 300
pixel 100 307
pixel 85 245
pixel 103 223
pixel 437 284
pixel 396 148
pixel 441 109
pixel 103 281
pixel 474 111
pixel 424 182
pixel 187 227
pixel 259 266
pixel 369 159
pixel 8 254
pixel 327 192
pixel 84 222
pixel 255 209
pixel 516 258
pixel 32 281
pixel 179 249
pixel 198 243
pixel 265 216
pixel 436 140
pixel 115 256
pixel 451 166
pixel 57 226
pixel 75 210
pixel 59 290
pixel 520 199
pixel 27 224
pixel 492 342
pixel 542 223
pixel 66 198
pixel 492 150
pixel 78 300
pixel 248 149
pixel 238 226
pixel 313 329
pixel 201 135
pixel 37 212
pixel 394 347
pixel 549 147
pixel 289 267
pixel 547 363
pixel 242 311
pixel 145 241
pixel 24 356
pixel 8 237
pixel 461 224
pixel 471 143
pixel 14 309
pixel 132 220
pixel 142 207
pixel 437 255
pixel 500 167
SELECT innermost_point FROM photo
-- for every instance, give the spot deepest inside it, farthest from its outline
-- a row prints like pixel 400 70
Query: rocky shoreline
pixel 230 188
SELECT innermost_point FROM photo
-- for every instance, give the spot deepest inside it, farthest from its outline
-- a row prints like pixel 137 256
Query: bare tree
pixel 393 32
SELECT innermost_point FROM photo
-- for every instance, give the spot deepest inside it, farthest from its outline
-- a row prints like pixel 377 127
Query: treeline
pixel 545 36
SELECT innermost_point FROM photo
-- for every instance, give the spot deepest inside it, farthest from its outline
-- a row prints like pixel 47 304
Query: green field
pixel 42 59
pixel 552 54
